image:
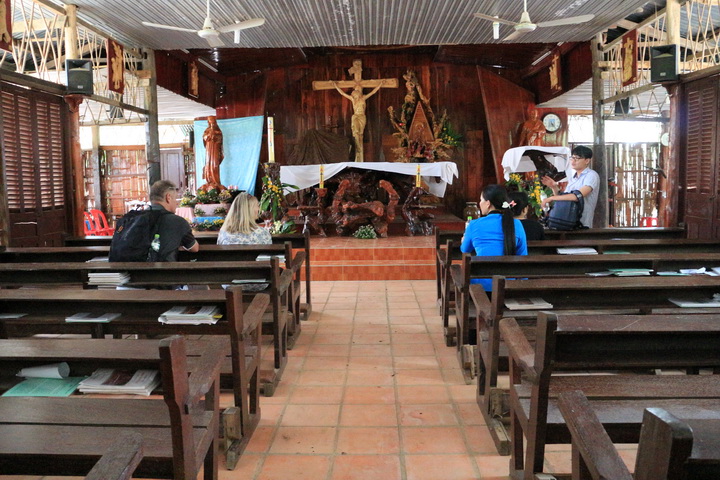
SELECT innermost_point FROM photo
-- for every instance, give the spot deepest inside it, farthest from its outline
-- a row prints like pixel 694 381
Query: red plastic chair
pixel 89 225
pixel 102 226
pixel 648 222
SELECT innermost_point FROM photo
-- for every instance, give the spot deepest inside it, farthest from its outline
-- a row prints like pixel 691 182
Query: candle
pixel 322 176
pixel 417 177
pixel 271 140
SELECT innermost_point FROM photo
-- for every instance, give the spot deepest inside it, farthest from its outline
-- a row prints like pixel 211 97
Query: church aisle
pixel 371 391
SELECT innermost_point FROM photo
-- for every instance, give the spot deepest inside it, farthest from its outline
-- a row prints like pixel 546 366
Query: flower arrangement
pixel 220 211
pixel 273 197
pixel 199 212
pixel 280 227
pixel 365 232
pixel 534 188
pixel 211 196
pixel 207 225
pixel 188 199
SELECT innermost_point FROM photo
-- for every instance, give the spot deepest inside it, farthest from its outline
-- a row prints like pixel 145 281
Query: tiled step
pixel 394 258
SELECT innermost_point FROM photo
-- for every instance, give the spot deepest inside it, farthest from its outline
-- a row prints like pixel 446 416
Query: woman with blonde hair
pixel 240 228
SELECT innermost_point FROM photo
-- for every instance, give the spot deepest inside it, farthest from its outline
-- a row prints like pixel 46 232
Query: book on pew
pixel 106 279
pixel 9 316
pixel 266 258
pixel 98 259
pixel 118 381
pixel 534 303
pixel 713 302
pixel 630 272
pixel 44 387
pixel 576 251
pixel 92 317
pixel 243 281
pixel 193 315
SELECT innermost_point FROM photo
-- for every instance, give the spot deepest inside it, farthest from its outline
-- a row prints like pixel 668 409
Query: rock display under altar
pixel 348 195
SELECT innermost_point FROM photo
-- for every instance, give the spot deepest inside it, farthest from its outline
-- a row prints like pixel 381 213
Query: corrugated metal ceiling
pixel 317 23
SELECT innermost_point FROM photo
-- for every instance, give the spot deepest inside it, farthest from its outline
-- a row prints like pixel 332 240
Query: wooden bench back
pixel 617 232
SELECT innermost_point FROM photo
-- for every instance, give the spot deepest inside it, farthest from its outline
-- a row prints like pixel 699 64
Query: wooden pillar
pixel 670 203
pixel 152 136
pixel 95 159
pixel 73 127
pixel 599 163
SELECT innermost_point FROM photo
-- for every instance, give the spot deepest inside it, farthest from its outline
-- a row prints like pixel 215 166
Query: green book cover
pixel 44 387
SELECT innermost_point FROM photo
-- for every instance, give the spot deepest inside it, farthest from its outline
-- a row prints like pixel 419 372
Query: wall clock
pixel 552 122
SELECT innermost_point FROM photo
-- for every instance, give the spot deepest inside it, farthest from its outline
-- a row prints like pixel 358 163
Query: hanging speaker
pixel 79 76
pixel 622 106
pixel 664 63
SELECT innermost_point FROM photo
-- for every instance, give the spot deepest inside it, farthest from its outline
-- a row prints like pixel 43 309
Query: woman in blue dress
pixel 496 232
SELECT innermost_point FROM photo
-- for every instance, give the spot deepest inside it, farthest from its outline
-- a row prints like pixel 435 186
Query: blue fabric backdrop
pixel 241 145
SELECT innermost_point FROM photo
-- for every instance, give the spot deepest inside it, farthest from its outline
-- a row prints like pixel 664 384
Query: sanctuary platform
pixel 353 259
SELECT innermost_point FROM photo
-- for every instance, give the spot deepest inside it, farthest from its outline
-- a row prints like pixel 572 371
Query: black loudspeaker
pixel 79 76
pixel 664 63
pixel 622 106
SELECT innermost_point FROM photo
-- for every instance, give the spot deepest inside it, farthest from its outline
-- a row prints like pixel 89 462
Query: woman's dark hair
pixel 497 196
pixel 521 202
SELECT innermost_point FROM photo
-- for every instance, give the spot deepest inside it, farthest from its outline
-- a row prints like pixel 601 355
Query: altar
pixel 436 175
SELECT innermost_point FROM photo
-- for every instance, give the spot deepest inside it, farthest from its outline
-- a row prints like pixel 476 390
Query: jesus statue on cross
pixel 358 98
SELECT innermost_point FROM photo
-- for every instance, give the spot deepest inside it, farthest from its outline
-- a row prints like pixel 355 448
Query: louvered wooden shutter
pixel 702 127
pixel 34 150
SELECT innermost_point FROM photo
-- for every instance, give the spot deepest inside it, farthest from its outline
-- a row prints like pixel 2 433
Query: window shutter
pixel 702 102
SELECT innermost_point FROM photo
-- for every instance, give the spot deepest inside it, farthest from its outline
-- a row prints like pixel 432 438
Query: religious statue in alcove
pixel 213 141
pixel 423 137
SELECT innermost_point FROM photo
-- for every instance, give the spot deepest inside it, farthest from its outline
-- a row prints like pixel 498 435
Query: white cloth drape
pixel 514 160
pixel 437 175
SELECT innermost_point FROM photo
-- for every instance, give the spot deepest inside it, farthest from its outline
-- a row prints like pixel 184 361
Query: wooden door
pixel 172 167
pixel 702 182
pixel 34 156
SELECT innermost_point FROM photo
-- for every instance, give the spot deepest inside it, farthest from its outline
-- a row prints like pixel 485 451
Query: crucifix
pixel 357 98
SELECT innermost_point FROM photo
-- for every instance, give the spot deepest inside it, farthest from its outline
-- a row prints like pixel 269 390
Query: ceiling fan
pixel 208 30
pixel 525 25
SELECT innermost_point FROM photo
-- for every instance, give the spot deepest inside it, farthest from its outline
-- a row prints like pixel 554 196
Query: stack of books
pixel 535 303
pixel 92 317
pixel 108 279
pixel 115 381
pixel 193 315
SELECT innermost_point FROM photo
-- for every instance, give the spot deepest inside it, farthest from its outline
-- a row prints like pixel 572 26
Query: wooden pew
pixel 547 266
pixel 121 459
pixel 209 253
pixel 588 345
pixel 617 232
pixel 35 431
pixel 690 449
pixel 299 241
pixel 277 322
pixel 589 295
pixel 47 309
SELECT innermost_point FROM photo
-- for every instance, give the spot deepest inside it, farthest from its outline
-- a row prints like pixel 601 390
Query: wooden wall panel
pixel 172 74
pixel 287 95
pixel 505 107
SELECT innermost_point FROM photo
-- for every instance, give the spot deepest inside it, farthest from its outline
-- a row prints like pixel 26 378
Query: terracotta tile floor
pixel 371 391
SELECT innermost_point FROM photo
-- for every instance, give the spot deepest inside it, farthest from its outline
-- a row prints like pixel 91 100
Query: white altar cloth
pixel 437 175
pixel 515 161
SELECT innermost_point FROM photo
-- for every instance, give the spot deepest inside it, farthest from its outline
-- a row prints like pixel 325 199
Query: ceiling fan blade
pixel 215 41
pixel 515 35
pixel 234 27
pixel 493 19
pixel 567 21
pixel 169 27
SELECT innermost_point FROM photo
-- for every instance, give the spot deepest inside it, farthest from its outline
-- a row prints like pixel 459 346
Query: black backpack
pixel 134 233
pixel 565 214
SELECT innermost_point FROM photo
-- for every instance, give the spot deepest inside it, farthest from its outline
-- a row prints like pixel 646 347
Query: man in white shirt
pixel 585 180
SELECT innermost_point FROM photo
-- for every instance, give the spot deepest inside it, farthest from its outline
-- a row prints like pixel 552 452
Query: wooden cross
pixel 357 98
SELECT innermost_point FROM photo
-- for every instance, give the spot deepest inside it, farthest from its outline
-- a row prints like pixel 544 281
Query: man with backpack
pixel 153 235
pixel 585 182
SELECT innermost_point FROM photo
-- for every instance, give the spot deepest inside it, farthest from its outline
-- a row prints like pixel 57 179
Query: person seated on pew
pixel 175 232
pixel 240 228
pixel 496 232
pixel 533 229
